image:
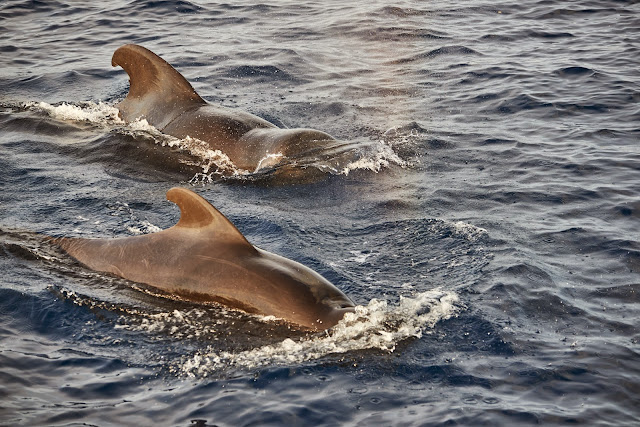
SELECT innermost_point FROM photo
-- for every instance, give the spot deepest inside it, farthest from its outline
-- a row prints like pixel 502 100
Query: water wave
pixel 226 339
pixel 341 159
pixel 377 325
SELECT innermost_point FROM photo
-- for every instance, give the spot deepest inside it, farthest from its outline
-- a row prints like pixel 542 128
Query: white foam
pixel 145 227
pixel 100 113
pixel 469 232
pixel 359 257
pixel 381 157
pixel 375 326
pixel 143 125
pixel 212 162
pixel 178 324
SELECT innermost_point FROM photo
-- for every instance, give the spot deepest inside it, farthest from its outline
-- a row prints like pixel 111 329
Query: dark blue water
pixel 486 222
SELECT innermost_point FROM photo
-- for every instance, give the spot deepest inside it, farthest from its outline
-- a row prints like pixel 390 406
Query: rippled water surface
pixel 483 214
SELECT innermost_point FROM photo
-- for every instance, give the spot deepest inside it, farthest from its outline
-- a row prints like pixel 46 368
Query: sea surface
pixel 485 220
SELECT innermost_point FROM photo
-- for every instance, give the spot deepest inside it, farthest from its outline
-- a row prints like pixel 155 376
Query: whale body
pixel 204 258
pixel 162 96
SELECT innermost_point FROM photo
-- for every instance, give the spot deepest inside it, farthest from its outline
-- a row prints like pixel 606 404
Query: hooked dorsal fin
pixel 157 92
pixel 198 213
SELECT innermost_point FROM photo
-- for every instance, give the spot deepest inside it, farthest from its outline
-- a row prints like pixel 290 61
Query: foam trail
pixel 100 113
pixel 375 326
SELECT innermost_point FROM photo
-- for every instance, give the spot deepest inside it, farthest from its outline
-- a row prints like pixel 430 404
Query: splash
pixel 100 113
pixel 178 324
pixel 145 227
pixel 212 162
pixel 377 325
pixel 380 157
pixel 469 232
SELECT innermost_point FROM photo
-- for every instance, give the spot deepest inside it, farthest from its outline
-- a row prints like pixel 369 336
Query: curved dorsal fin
pixel 157 91
pixel 196 212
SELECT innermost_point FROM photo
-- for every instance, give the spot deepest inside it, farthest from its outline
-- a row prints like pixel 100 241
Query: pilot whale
pixel 162 96
pixel 204 258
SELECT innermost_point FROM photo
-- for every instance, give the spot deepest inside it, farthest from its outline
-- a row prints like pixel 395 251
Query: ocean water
pixel 485 216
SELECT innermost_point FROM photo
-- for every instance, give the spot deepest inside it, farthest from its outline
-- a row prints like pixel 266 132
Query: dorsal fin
pixel 157 91
pixel 198 213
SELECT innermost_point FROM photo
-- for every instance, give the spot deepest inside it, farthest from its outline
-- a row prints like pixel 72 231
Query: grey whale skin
pixel 205 258
pixel 163 97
